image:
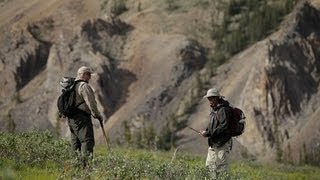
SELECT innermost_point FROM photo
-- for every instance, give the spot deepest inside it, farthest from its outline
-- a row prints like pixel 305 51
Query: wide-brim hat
pixel 213 92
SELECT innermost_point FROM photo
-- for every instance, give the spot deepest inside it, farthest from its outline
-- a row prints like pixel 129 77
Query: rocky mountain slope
pixel 148 61
pixel 276 82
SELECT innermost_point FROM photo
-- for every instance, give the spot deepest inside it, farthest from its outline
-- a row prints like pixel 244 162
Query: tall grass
pixel 39 155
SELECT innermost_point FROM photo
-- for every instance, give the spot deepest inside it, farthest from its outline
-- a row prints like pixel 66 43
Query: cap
pixel 84 69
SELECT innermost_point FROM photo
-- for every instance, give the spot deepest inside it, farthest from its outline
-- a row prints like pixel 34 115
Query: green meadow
pixel 36 155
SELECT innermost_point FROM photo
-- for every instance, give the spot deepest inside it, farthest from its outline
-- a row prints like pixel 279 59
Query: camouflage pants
pixel 218 159
pixel 82 136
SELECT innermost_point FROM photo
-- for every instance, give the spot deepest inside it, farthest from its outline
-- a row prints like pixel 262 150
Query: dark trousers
pixel 82 136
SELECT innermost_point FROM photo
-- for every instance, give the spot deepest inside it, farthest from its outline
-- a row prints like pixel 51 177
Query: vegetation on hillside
pixel 38 155
pixel 146 136
pixel 244 22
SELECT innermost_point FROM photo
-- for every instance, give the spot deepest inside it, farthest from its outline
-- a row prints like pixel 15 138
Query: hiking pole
pixel 194 130
pixel 104 134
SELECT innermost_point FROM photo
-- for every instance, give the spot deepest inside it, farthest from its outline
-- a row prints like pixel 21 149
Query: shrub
pixel 118 7
pixel 34 148
pixel 171 5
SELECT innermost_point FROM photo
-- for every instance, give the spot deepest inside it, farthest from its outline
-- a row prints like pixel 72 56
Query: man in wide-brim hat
pixel 219 141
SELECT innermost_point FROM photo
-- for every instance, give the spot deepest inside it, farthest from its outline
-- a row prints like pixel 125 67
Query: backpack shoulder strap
pixel 225 106
pixel 80 80
pixel 77 81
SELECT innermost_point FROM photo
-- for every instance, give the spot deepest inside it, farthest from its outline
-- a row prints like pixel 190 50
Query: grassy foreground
pixel 42 156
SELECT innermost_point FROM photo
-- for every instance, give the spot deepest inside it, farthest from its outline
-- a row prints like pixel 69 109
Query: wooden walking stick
pixel 104 134
pixel 194 130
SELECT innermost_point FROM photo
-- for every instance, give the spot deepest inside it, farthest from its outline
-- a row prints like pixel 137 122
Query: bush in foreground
pixel 39 155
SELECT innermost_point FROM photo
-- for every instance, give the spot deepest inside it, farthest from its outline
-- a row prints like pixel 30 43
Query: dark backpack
pixel 66 101
pixel 237 123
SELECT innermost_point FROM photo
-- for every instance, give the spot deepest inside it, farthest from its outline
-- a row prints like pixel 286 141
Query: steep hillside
pixel 128 58
pixel 276 83
pixel 151 64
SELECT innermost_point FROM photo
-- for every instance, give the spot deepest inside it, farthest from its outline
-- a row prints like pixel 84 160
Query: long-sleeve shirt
pixel 84 93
